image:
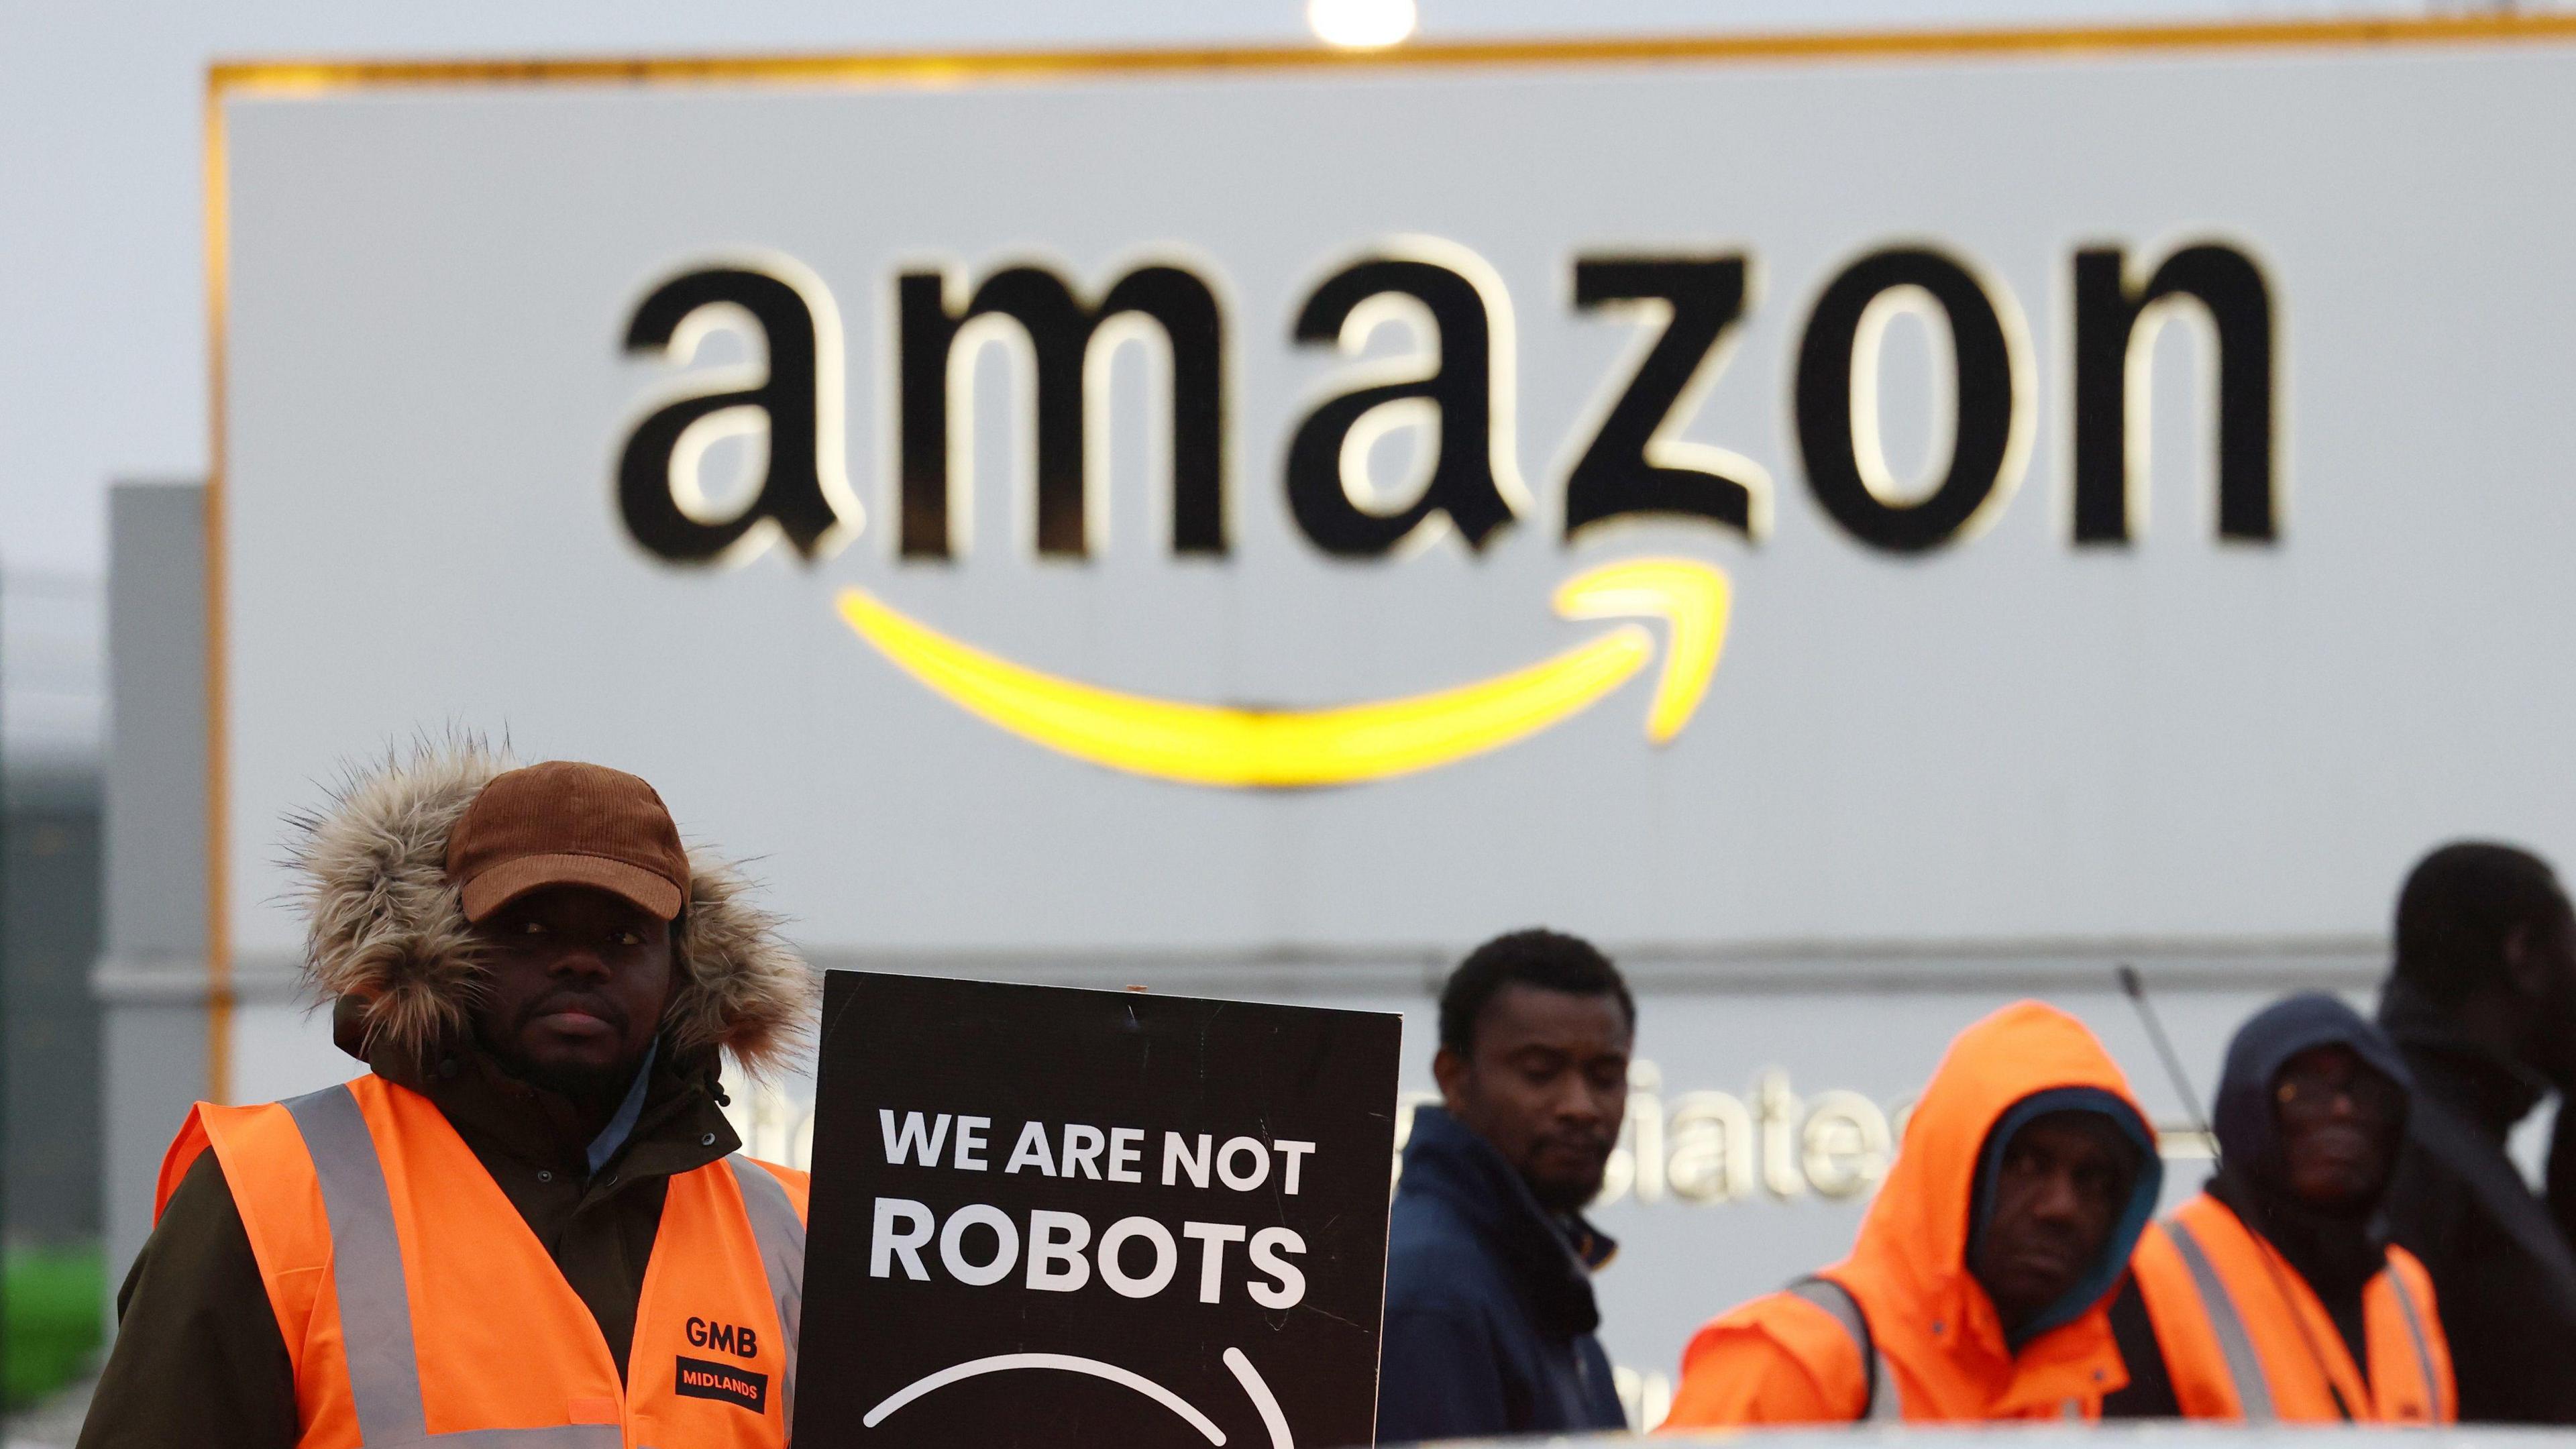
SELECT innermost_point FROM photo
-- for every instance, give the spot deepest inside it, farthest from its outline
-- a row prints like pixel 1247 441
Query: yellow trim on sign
pixel 219 949
pixel 289 77
pixel 285 78
pixel 1202 744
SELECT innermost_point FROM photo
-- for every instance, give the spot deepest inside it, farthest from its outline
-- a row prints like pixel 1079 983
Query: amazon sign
pixel 1456 390
pixel 1975 506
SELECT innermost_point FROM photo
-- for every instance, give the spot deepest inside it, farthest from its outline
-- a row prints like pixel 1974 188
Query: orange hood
pixel 1909 1269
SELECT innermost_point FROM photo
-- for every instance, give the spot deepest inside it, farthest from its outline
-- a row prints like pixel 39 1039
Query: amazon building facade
pixel 1866 528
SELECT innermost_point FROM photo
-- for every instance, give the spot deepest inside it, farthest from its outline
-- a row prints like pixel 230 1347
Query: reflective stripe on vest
pixel 2415 1339
pixel 1884 1403
pixel 2244 1369
pixel 781 1235
pixel 375 1305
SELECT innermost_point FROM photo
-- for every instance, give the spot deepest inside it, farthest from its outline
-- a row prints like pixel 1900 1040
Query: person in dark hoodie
pixel 2276 1295
pixel 1489 1307
pixel 2481 1001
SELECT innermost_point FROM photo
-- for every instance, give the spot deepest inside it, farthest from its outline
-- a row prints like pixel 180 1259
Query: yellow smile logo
pixel 1202 744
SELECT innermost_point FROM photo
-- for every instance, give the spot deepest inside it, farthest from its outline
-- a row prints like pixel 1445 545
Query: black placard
pixel 1065 1347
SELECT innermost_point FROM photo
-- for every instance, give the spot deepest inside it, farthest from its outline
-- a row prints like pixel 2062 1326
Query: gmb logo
pixel 742 1341
pixel 1457 393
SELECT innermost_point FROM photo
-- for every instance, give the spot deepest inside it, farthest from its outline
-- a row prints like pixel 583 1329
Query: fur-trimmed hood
pixel 387 946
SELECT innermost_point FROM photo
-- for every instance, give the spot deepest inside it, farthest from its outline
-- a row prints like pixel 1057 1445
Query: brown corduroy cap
pixel 564 823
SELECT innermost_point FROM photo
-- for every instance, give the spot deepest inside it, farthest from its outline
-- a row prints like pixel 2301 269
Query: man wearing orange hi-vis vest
pixel 528 1226
pixel 1978 1288
pixel 2276 1294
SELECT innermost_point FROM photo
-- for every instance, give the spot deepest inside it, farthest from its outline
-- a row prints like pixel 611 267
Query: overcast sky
pixel 102 311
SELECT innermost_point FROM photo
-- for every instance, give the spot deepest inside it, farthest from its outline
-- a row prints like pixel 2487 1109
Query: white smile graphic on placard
pixel 1244 1372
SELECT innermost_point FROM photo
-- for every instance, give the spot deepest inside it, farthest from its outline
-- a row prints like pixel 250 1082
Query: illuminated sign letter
pixel 2115 326
pixel 1837 403
pixel 795 400
pixel 1632 466
pixel 1462 391
pixel 1061 330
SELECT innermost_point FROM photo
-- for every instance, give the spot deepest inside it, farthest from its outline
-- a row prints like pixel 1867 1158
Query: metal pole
pixel 8 1019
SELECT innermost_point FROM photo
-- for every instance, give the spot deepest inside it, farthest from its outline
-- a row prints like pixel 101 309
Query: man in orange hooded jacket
pixel 1980 1284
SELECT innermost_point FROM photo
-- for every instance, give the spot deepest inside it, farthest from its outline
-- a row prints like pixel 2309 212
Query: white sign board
pixel 446 306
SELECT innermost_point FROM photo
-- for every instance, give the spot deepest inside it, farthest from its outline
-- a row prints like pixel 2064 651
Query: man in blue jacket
pixel 1489 1308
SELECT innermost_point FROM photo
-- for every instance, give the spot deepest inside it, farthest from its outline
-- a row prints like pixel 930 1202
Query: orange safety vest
pixel 2244 1337
pixel 418 1309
